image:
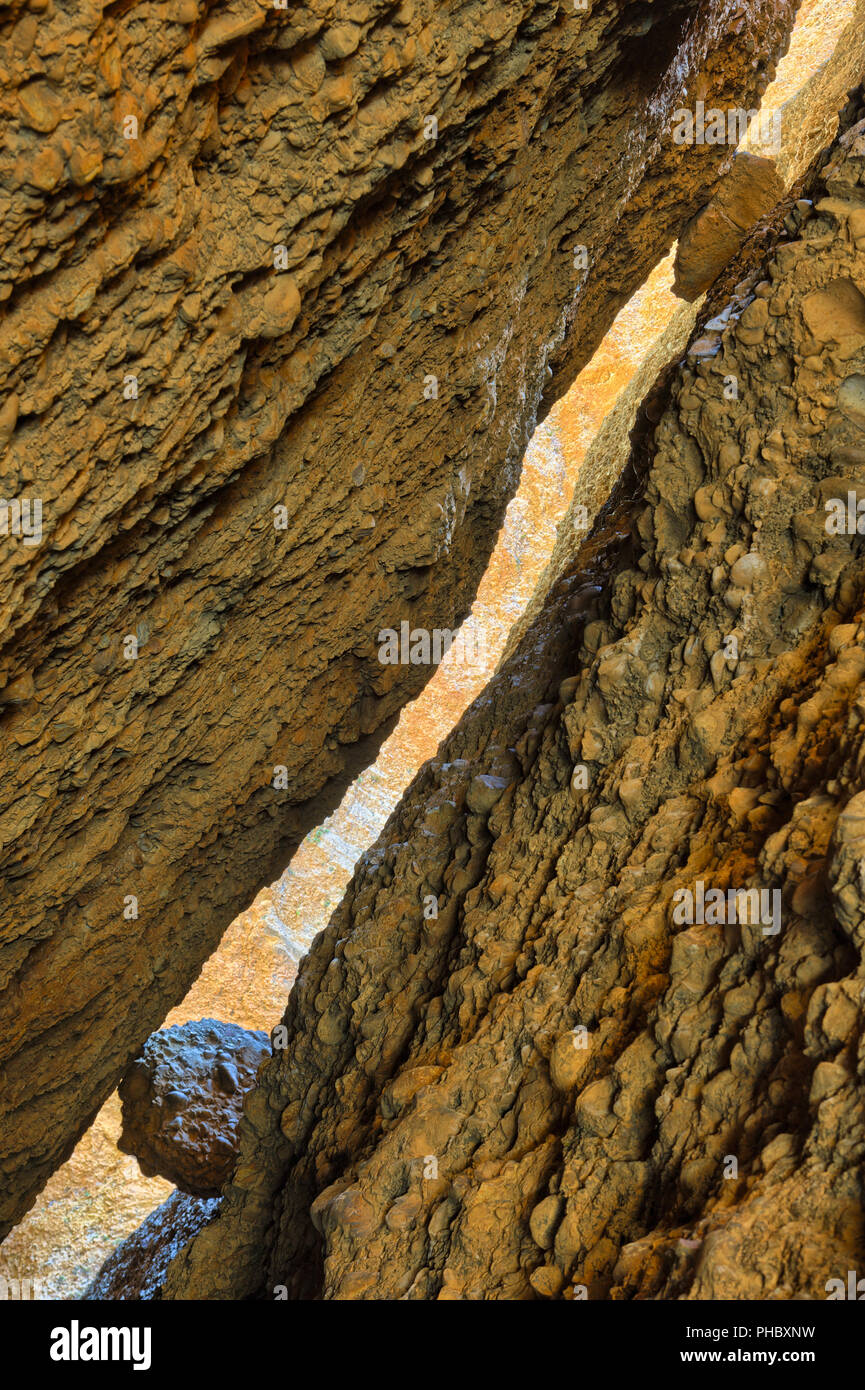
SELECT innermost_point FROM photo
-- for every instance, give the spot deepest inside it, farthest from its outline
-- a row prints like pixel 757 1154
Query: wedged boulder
pixel 748 192
pixel 284 296
pixel 625 1059
pixel 182 1101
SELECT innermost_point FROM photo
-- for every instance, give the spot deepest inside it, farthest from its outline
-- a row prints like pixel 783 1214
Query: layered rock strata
pixel 282 292
pixel 588 1021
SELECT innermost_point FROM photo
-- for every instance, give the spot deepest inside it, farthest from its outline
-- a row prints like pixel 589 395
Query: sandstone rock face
pixel 182 1099
pixel 709 242
pixel 623 1058
pixel 283 290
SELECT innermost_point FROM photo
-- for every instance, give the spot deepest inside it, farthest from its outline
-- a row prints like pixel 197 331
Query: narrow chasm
pixel 431 677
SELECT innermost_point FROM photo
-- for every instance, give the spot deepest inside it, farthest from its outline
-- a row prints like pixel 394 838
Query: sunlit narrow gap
pixel 100 1196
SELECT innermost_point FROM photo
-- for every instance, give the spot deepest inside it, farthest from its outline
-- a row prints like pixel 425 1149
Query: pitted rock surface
pixel 182 1100
pixel 137 1268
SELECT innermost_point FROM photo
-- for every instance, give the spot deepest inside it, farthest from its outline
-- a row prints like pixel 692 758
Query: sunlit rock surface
pixel 182 1099
pixel 824 62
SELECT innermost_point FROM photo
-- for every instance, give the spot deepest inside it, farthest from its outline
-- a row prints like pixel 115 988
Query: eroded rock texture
pixel 182 1099
pixel 558 1085
pixel 240 244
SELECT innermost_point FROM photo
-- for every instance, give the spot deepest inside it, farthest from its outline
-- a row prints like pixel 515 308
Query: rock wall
pixel 239 244
pixel 136 1270
pixel 600 1070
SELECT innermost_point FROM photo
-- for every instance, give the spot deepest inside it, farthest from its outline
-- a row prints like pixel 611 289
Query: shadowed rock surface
pixel 560 1084
pixel 182 1099
pixel 236 251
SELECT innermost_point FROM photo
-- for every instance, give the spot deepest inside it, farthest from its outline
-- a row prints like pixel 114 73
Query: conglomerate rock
pixel 182 1099
pixel 283 289
pixel 588 1021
